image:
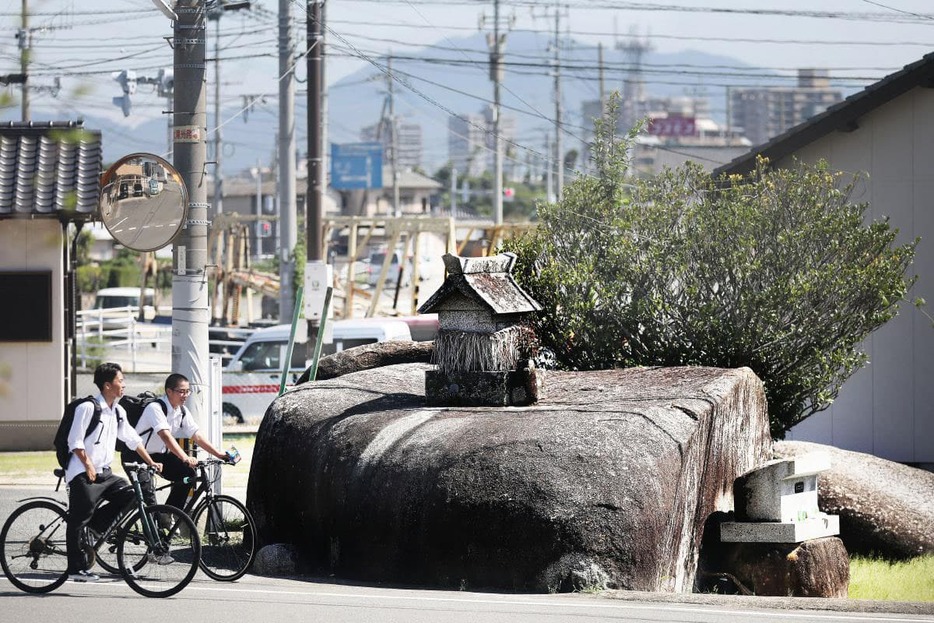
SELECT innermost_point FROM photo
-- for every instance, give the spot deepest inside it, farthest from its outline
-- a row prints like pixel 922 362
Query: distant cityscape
pixel 678 128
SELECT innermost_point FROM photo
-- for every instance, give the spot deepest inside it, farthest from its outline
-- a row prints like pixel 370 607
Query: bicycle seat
pixel 58 472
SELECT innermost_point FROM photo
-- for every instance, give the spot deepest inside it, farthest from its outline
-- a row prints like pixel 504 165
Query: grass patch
pixel 911 580
pixel 27 464
pixel 35 468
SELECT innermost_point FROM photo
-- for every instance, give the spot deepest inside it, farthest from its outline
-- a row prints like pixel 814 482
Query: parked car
pixel 108 298
pixel 251 378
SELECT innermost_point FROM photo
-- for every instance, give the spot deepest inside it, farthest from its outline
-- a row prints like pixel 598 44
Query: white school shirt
pixel 154 420
pixel 101 442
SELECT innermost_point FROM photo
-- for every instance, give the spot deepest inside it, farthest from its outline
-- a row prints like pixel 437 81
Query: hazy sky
pixel 82 42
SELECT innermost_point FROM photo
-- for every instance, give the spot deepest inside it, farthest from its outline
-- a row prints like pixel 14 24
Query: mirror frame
pixel 110 177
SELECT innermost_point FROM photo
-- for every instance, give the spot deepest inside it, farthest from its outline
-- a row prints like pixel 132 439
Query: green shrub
pixel 776 271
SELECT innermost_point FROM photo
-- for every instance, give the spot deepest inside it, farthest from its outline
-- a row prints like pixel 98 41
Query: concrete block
pixel 780 531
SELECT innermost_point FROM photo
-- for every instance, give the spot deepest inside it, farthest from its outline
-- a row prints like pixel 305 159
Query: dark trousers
pixel 174 470
pixel 83 495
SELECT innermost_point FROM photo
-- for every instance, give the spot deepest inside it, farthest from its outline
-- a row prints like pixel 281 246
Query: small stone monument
pixel 777 503
pixel 781 543
pixel 484 348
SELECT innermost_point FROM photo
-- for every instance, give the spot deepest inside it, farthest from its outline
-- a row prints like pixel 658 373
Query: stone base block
pixel 481 389
pixel 817 568
pixel 780 531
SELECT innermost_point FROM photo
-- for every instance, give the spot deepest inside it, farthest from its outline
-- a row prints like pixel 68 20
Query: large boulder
pixel 607 481
pixel 885 508
pixel 369 356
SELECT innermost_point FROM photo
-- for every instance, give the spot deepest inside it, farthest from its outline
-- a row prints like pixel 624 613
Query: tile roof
pixel 843 116
pixel 49 169
pixel 486 280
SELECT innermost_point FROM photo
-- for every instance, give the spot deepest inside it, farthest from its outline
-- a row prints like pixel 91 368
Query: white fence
pixel 117 335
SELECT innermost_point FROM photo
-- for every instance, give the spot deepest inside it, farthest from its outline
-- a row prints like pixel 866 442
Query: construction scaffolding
pixel 404 233
pixel 229 245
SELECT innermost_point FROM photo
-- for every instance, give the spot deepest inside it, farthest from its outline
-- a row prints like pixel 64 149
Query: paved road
pixel 256 598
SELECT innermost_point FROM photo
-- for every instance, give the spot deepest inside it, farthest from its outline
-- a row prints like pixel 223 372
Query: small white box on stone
pixel 777 503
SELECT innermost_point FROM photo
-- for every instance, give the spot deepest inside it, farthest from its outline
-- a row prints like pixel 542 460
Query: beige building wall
pixel 887 408
pixel 32 374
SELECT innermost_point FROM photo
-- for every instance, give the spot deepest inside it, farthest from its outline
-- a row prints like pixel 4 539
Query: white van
pixel 251 378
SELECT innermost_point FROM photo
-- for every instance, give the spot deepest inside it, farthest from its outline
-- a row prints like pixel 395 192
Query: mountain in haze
pixel 451 77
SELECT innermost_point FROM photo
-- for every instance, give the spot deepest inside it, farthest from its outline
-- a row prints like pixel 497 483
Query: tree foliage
pixel 775 270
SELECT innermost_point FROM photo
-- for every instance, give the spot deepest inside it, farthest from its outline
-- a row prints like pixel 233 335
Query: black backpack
pixel 134 407
pixel 62 453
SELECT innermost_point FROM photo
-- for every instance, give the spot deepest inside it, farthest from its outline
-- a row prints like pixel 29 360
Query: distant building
pixel 408 140
pixel 675 130
pixel 762 113
pixel 471 144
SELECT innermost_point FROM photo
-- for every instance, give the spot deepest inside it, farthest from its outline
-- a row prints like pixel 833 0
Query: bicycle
pixel 225 526
pixel 157 547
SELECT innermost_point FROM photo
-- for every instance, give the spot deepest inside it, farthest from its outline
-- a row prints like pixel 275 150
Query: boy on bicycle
pixel 161 422
pixel 88 471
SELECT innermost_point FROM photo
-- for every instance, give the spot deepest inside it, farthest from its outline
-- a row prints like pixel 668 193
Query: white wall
pixel 32 374
pixel 887 409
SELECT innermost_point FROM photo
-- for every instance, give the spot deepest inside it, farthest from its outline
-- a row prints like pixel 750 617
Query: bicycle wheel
pixel 34 555
pixel 227 532
pixel 159 565
pixel 106 550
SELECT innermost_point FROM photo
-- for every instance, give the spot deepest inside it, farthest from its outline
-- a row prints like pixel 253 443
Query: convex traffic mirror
pixel 144 202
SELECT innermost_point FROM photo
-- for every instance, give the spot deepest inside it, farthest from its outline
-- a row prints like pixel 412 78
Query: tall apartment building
pixel 409 142
pixel 763 113
pixel 471 144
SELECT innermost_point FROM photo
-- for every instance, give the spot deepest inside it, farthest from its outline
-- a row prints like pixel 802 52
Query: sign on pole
pixel 356 166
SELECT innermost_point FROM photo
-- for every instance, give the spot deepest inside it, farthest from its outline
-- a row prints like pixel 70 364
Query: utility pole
pixel 190 311
pixel 453 192
pixel 288 236
pixel 215 16
pixel 496 43
pixel 549 171
pixel 316 268
pixel 315 62
pixel 600 69
pixel 24 48
pixel 559 149
pixel 393 142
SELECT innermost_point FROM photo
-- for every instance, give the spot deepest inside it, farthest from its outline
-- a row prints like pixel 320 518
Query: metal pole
pixel 316 122
pixel 315 40
pixel 559 156
pixel 24 59
pixel 320 337
pixel 600 70
pixel 258 228
pixel 218 144
pixel 287 363
pixel 190 313
pixel 496 73
pixel 393 145
pixel 453 191
pixel 287 210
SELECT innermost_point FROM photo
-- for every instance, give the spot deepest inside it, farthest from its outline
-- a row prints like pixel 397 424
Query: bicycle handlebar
pixel 213 461
pixel 138 467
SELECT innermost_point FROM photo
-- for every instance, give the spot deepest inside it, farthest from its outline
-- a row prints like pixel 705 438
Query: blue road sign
pixel 356 166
